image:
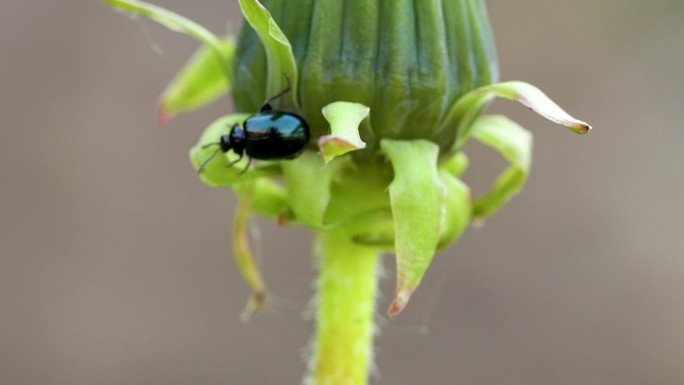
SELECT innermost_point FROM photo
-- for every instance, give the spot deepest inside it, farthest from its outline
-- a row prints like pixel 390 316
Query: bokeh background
pixel 115 262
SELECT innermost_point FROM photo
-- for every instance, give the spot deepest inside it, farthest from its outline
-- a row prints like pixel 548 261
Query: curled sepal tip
pixel 514 143
pixel 344 119
pixel 467 108
pixel 533 98
pixel 536 100
pixel 417 198
pixel 282 67
pixel 244 258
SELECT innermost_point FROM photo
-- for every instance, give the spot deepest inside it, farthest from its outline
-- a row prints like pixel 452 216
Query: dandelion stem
pixel 344 316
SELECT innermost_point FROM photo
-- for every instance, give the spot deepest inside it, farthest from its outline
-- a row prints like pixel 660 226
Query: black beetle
pixel 267 135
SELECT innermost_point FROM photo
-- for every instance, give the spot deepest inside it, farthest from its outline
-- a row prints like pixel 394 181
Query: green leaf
pixel 216 172
pixel 282 67
pixel 515 144
pixel 176 23
pixel 417 196
pixel 344 119
pixel 201 81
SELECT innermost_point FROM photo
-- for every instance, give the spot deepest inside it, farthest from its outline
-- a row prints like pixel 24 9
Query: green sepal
pixel 244 258
pixel 466 109
pixel 457 165
pixel 458 209
pixel 269 198
pixel 536 100
pixel 375 228
pixel 308 182
pixel 360 204
pixel 282 67
pixel 514 143
pixel 216 172
pixel 417 196
pixel 201 81
pixel 372 223
pixel 356 191
pixel 344 119
pixel 177 23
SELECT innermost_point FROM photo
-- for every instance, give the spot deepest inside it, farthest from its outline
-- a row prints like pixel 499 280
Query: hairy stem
pixel 344 316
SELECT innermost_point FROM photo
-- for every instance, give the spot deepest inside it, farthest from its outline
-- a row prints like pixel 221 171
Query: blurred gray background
pixel 115 262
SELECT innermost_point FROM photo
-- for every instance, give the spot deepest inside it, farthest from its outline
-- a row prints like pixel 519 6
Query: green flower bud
pixel 409 61
pixel 399 84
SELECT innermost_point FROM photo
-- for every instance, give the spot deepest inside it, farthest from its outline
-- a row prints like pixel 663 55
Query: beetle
pixel 267 135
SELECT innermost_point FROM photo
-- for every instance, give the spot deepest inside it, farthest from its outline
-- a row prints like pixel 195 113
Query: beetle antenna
pixel 201 167
pixel 211 144
pixel 279 94
pixel 267 104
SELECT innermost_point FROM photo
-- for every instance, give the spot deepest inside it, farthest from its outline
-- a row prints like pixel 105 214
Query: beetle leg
pixel 249 162
pixel 235 161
